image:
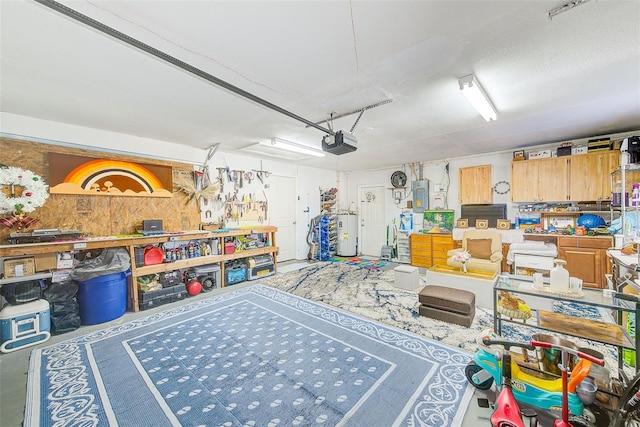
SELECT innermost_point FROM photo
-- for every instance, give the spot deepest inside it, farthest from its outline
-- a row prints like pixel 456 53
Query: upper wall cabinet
pixel 475 185
pixel 543 180
pixel 581 177
pixel 590 175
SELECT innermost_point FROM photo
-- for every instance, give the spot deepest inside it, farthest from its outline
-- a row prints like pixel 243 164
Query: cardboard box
pixel 18 267
pixel 540 154
pixel 581 149
pixel 564 151
pixel 64 260
pixel 46 262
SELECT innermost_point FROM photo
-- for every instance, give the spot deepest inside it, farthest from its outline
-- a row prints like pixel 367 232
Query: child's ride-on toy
pixel 547 394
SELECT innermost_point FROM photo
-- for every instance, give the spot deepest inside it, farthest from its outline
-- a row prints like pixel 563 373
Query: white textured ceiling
pixel 575 76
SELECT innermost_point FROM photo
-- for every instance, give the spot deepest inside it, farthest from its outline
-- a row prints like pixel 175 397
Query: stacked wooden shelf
pixel 131 242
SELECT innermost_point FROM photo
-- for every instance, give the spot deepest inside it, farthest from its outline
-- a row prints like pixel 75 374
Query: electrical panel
pixel 420 191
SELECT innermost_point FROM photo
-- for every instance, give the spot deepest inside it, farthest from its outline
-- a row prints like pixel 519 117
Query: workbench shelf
pixel 268 233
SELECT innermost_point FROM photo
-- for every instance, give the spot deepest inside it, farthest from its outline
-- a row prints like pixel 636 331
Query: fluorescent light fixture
pixel 283 150
pixel 292 146
pixel 473 92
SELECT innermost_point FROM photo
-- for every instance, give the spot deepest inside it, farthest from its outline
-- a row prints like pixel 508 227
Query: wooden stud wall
pixel 97 216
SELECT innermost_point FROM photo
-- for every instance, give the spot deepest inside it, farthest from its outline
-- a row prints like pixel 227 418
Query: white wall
pixel 435 173
pixel 309 180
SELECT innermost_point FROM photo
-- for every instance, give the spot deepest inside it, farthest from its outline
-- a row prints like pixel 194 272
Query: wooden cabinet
pixel 582 177
pixel 428 250
pixel 586 258
pixel 590 175
pixel 475 185
pixel 543 180
pixel 130 243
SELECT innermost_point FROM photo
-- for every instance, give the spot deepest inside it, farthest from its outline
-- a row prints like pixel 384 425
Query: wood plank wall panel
pixel 98 216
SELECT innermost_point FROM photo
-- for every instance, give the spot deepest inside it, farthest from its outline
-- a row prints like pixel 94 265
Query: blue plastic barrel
pixel 103 298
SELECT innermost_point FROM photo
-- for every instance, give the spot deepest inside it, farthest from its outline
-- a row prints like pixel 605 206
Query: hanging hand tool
pixel 265 205
pixel 235 180
pixel 221 179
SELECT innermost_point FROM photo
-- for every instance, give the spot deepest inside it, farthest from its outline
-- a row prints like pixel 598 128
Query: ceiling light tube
pixel 473 92
pixel 293 147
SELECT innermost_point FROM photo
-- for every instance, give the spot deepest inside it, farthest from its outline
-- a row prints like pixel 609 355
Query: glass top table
pixel 594 297
pixel 541 303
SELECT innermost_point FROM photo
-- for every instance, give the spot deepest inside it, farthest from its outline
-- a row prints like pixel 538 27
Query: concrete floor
pixel 15 365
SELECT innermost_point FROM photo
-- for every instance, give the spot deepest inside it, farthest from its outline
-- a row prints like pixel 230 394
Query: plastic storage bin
pixel 103 298
pixel 24 325
pixel 234 272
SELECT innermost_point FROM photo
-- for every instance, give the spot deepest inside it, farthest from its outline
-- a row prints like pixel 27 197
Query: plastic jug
pixel 559 277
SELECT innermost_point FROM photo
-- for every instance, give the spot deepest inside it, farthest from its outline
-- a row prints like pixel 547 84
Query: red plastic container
pixel 229 248
pixel 153 255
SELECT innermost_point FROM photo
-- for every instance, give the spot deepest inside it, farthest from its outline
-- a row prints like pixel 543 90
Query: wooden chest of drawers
pixel 430 249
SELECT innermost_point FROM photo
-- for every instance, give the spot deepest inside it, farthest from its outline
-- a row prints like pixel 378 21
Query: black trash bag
pixel 61 292
pixel 22 292
pixel 65 323
pixel 64 310
pixel 110 261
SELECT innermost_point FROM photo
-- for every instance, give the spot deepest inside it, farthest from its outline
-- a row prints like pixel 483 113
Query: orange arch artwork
pixel 84 175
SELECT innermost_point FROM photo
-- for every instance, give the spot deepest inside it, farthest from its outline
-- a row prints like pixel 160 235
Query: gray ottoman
pixel 447 304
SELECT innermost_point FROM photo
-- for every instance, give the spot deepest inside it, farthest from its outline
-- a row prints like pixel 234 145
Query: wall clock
pixel 398 179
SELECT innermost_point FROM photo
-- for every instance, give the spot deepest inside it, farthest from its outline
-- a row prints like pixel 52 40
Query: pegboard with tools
pixel 242 195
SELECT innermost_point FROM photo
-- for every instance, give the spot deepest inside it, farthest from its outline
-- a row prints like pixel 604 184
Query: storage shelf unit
pixel 404 248
pixel 327 231
pixel 36 276
pixel 130 243
pixel 622 180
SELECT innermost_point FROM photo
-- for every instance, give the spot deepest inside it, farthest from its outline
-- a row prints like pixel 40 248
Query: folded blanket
pixel 546 249
pixel 528 244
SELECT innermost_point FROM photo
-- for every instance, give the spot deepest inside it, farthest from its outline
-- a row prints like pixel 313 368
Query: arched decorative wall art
pixel 107 177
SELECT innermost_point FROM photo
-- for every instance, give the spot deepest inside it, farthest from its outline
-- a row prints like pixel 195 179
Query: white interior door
pixel 282 214
pixel 373 232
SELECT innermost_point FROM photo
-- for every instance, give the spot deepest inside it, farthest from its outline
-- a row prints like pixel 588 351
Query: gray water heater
pixel 420 191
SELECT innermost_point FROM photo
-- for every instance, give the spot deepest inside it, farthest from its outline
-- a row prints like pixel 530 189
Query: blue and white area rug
pixel 250 357
pixel 372 294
